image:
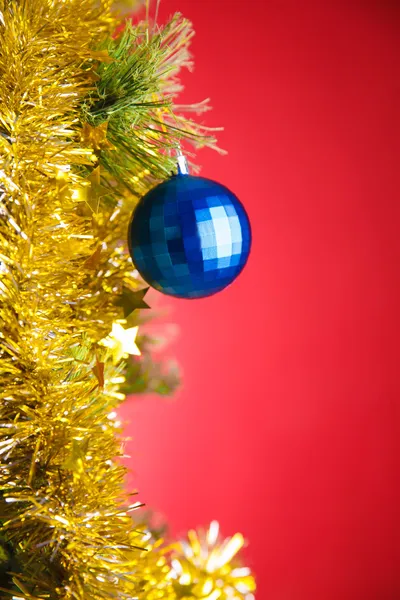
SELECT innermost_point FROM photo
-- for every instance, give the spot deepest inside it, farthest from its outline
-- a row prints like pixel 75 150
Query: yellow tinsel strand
pixel 61 265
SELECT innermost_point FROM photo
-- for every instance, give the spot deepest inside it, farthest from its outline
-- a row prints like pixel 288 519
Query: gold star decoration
pixel 130 300
pixel 93 261
pixel 121 342
pixel 96 137
pixel 98 371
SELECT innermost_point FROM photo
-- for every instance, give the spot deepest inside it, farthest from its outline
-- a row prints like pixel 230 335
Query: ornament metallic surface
pixel 189 237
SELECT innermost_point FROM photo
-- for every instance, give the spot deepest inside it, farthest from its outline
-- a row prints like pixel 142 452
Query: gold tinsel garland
pixel 207 566
pixel 66 524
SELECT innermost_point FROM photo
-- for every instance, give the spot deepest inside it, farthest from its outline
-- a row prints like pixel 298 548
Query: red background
pixel 287 425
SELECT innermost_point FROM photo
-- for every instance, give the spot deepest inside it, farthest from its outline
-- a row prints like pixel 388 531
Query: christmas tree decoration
pixel 189 237
pixel 206 566
pixel 80 143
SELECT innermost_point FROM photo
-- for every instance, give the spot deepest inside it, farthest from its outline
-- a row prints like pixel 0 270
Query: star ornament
pixel 130 301
pixel 96 137
pixel 121 342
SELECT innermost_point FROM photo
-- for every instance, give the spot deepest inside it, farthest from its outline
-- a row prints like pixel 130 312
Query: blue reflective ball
pixel 189 237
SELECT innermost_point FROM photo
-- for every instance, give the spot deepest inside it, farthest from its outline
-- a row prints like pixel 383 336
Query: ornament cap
pixel 183 167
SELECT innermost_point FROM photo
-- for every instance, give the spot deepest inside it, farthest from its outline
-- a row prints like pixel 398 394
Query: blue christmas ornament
pixel 189 237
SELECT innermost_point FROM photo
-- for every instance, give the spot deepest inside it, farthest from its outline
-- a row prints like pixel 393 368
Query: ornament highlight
pixel 189 236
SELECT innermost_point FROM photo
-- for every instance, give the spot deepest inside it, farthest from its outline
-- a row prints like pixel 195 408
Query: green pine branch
pixel 134 94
